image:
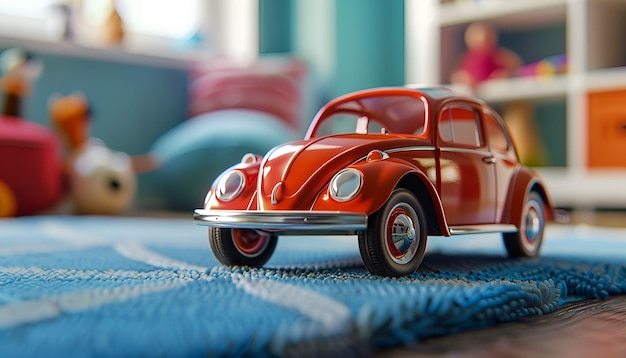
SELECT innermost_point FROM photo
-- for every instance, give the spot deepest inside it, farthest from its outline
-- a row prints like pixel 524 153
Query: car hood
pixel 302 169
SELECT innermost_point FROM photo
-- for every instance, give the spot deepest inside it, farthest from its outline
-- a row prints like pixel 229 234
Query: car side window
pixel 497 139
pixel 459 125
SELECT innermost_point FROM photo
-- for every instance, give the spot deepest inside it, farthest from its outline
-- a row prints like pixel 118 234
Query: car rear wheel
pixel 526 242
pixel 241 247
pixel 395 240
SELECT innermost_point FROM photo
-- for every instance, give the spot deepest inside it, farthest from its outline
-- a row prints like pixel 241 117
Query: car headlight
pixel 230 185
pixel 346 184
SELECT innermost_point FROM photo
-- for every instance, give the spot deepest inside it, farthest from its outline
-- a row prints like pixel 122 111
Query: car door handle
pixel 490 160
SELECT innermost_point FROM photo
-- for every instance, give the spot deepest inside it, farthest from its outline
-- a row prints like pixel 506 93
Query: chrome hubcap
pixel 533 224
pixel 401 233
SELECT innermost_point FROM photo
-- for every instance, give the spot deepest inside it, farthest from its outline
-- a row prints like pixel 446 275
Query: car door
pixel 466 179
pixel 506 161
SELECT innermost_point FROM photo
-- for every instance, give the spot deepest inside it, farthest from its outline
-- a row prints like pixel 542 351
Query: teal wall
pixel 132 105
pixel 369 44
pixel 367 48
pixel 275 26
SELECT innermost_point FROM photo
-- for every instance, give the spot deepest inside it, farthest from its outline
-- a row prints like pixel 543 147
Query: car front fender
pixel 380 179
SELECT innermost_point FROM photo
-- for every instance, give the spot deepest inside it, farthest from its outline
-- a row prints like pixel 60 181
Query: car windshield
pixel 376 114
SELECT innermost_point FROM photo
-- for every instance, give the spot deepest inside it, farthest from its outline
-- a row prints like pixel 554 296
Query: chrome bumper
pixel 281 220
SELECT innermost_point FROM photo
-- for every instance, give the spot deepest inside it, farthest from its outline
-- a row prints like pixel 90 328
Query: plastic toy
pixel 30 169
pixel 392 165
pixel 484 59
pixel 546 67
pixel 100 181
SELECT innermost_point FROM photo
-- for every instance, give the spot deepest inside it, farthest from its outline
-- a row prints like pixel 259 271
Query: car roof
pixel 439 92
pixel 434 94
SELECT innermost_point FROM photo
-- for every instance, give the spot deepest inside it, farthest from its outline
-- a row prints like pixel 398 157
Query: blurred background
pixel 185 87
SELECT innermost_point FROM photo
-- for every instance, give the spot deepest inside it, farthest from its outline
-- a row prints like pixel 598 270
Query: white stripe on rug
pixel 37 273
pixel 138 252
pixel 35 310
pixel 334 316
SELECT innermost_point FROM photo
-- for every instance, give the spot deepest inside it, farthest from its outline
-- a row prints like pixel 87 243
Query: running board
pixel 482 229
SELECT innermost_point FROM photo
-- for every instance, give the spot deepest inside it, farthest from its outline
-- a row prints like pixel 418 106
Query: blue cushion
pixel 196 151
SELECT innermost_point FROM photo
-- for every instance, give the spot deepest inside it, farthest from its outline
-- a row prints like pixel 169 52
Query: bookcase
pixel 578 118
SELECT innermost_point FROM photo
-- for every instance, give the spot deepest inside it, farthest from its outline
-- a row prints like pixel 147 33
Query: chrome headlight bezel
pixel 348 176
pixel 230 185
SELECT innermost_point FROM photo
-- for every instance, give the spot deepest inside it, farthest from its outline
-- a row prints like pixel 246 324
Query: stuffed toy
pixel 483 60
pixel 100 181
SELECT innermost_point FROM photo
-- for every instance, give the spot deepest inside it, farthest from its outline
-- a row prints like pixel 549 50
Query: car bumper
pixel 281 220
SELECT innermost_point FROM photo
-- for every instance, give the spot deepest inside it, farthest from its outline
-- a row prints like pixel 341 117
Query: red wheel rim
pixel 249 242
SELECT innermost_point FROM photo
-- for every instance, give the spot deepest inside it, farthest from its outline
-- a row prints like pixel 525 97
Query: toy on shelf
pixel 100 181
pixel 392 165
pixel 546 67
pixel 102 23
pixel 19 70
pixel 483 59
pixel 30 170
pixel 112 29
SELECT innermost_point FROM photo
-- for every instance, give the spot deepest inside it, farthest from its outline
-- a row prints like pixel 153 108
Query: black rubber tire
pixel 527 241
pixel 228 252
pixel 376 245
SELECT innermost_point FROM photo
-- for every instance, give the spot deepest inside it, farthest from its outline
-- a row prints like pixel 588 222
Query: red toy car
pixel 391 165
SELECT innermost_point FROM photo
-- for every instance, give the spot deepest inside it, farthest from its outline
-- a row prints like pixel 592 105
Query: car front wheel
pixel 395 240
pixel 241 247
pixel 526 242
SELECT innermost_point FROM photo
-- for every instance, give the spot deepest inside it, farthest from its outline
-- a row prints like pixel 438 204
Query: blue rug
pixel 89 286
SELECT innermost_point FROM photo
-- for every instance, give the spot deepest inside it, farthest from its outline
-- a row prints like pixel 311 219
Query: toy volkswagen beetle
pixel 392 165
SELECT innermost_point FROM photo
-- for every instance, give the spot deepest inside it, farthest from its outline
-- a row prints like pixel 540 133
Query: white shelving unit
pixel 596 53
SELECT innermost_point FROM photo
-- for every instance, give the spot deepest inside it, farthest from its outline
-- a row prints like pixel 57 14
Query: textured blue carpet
pixel 82 286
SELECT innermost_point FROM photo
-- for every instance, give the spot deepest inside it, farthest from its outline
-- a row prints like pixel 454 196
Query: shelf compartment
pixel 538 130
pixel 506 14
pixel 606 128
pixel 606 28
pixel 531 45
